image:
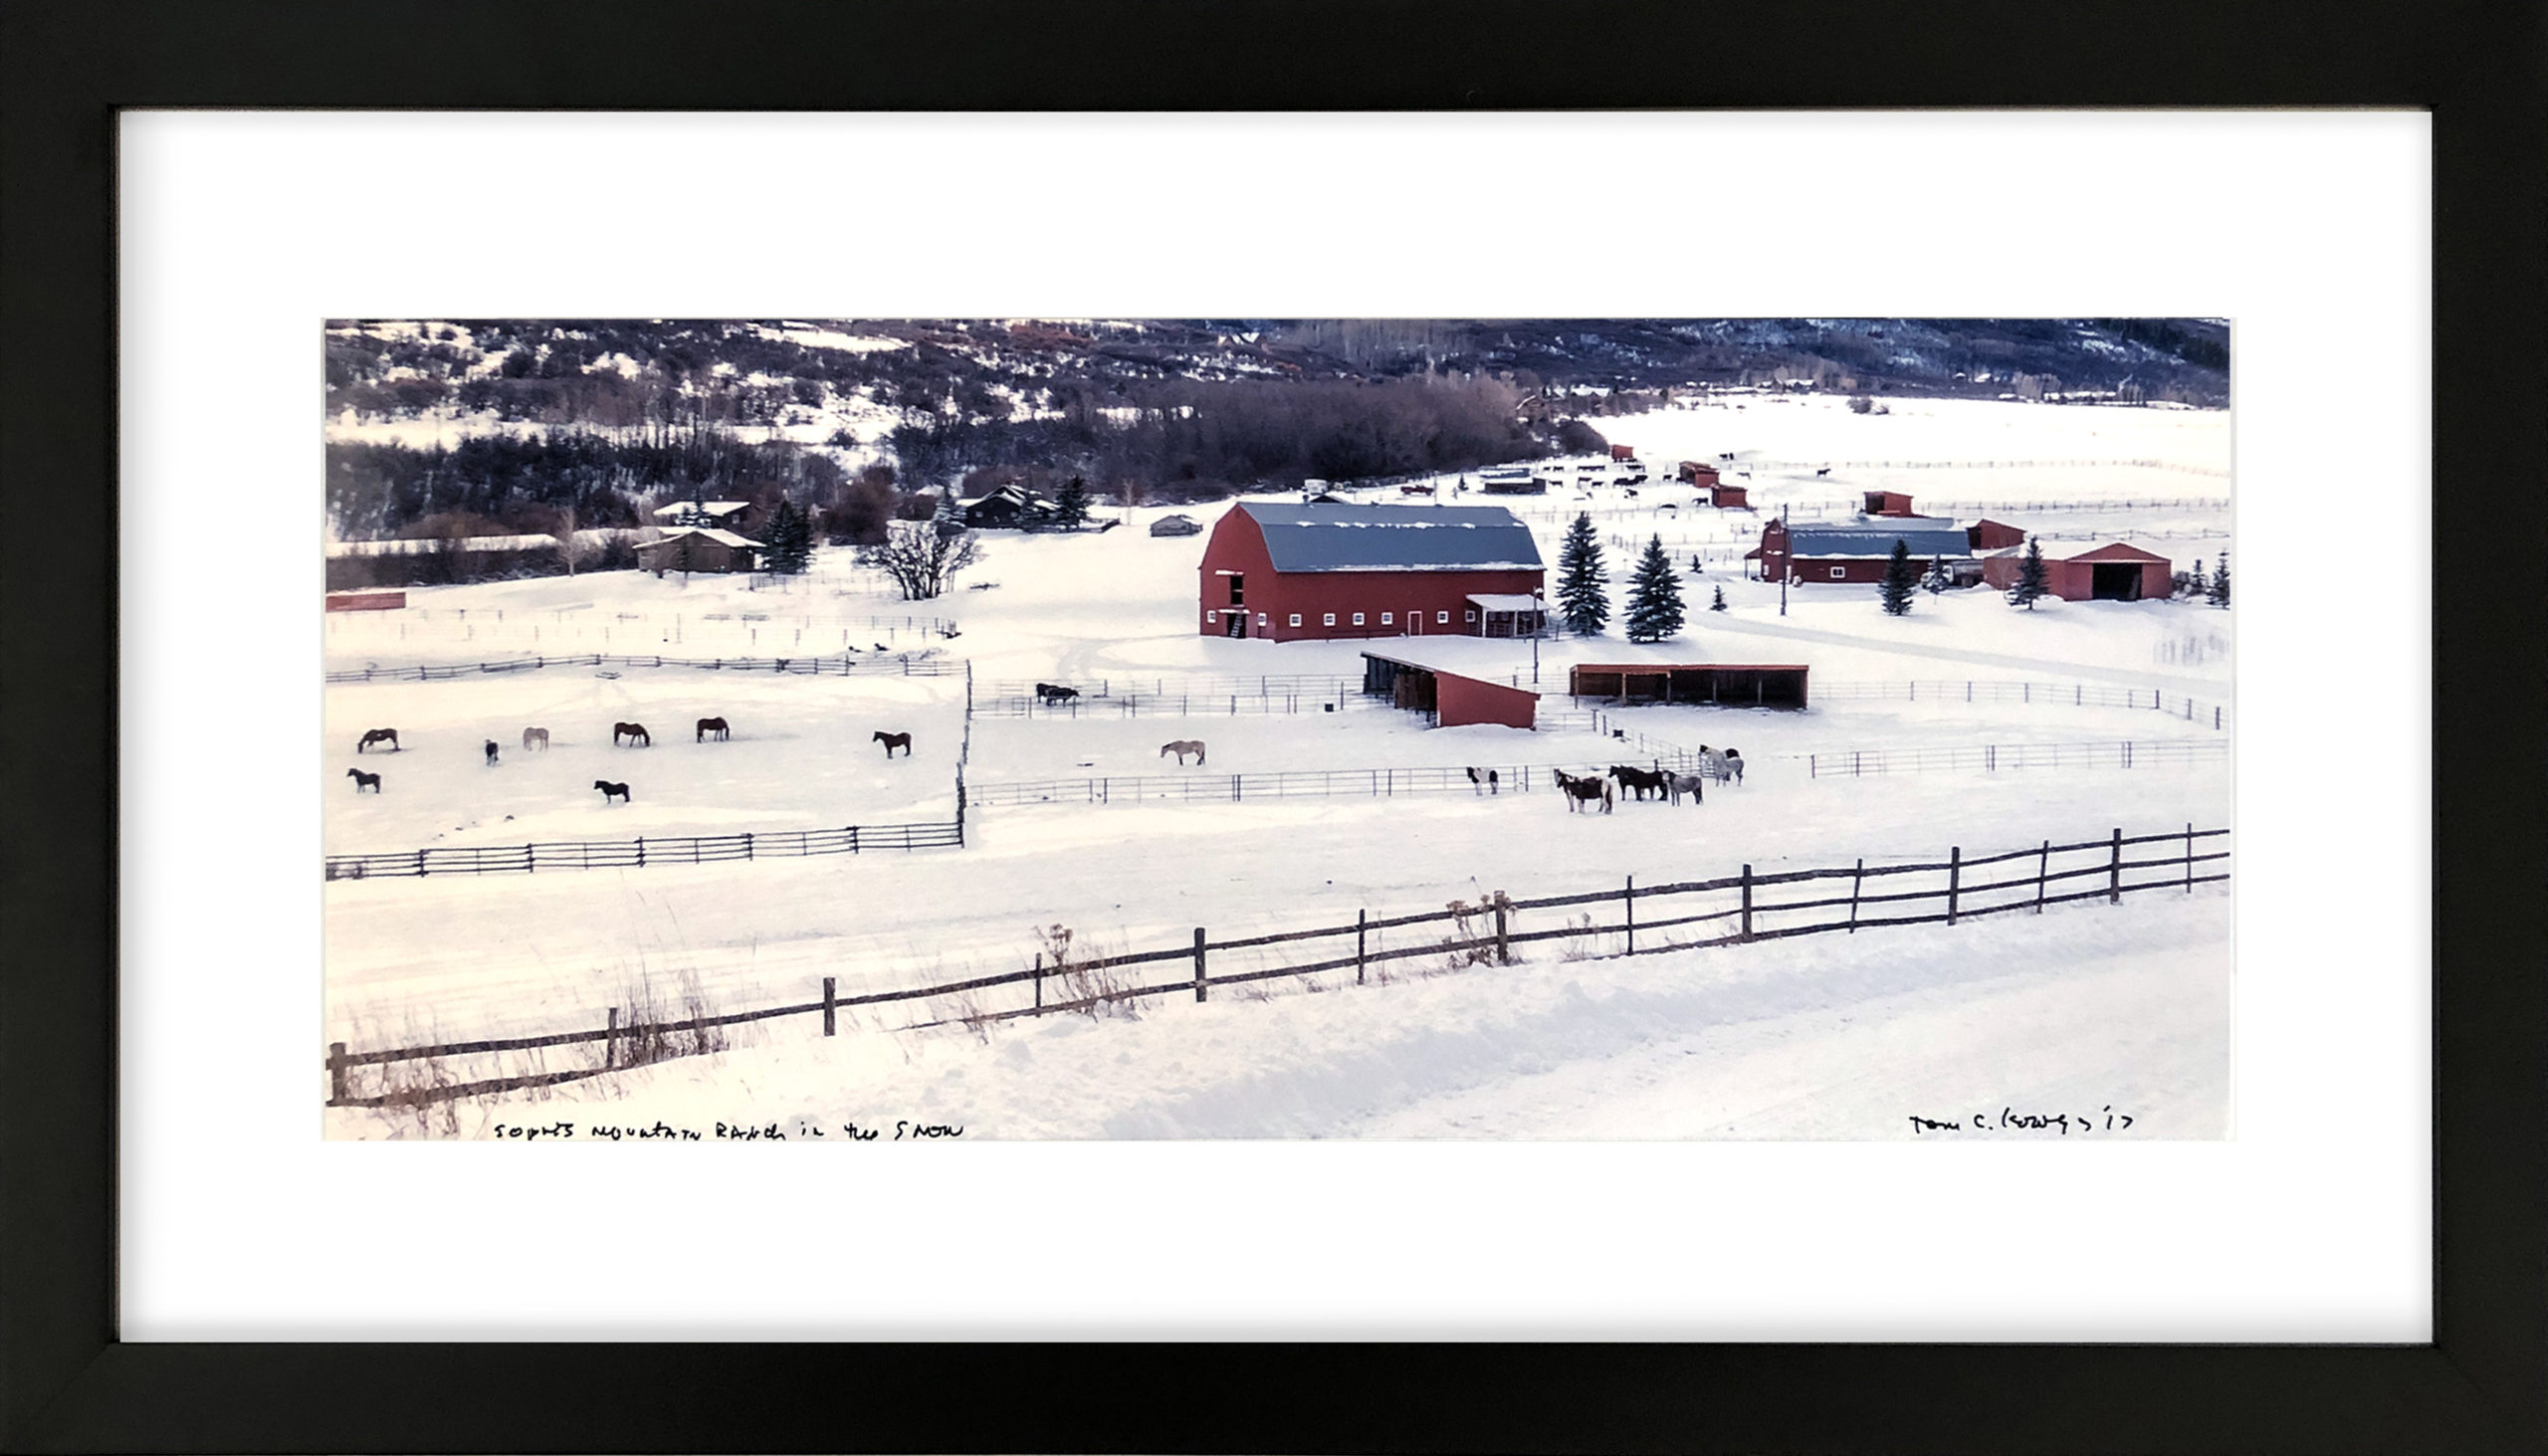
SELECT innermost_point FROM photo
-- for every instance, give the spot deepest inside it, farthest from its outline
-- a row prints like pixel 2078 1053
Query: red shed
pixel 2078 571
pixel 1729 497
pixel 365 601
pixel 1292 572
pixel 1736 685
pixel 1623 452
pixel 1889 502
pixel 1990 536
pixel 1452 700
pixel 1698 472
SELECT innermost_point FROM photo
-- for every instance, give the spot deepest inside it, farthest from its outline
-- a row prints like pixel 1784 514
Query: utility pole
pixel 1786 556
pixel 1539 629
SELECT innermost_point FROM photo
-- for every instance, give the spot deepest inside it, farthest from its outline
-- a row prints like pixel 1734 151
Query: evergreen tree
pixel 1582 585
pixel 2196 584
pixel 791 542
pixel 1719 604
pixel 2030 576
pixel 1654 596
pixel 1900 580
pixel 2218 596
pixel 1070 508
pixel 1936 581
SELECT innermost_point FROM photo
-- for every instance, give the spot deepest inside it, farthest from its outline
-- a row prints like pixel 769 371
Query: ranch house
pixel 698 549
pixel 1860 551
pixel 738 517
pixel 1294 572
pixel 2079 571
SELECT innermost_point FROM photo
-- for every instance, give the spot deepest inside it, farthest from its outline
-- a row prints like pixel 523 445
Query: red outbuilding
pixel 2078 571
pixel 1729 497
pixel 1889 502
pixel 1992 536
pixel 1698 472
pixel 1450 699
pixel 1293 572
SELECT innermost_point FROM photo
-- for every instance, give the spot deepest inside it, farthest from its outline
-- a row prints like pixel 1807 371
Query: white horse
pixel 1181 748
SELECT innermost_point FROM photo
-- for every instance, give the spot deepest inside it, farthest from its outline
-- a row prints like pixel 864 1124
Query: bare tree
pixel 922 557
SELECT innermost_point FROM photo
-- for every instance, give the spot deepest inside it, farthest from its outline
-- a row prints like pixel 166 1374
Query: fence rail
pixel 874 666
pixel 1484 932
pixel 2076 695
pixel 1995 758
pixel 634 854
pixel 1305 783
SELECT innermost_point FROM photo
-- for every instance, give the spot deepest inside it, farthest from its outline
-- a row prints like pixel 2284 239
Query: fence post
pixel 1198 964
pixel 2042 862
pixel 1858 877
pixel 2189 858
pixel 1361 931
pixel 335 1074
pixel 1955 878
pixel 830 1001
pixel 2114 872
pixel 1503 938
pixel 641 852
pixel 1627 899
pixel 853 839
pixel 1039 980
pixel 1747 902
pixel 747 844
pixel 610 1040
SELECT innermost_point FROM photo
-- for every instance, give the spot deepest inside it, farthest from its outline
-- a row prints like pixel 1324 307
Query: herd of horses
pixel 1584 789
pixel 634 734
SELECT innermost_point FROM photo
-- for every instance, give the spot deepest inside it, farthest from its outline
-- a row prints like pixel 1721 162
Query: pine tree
pixel 791 542
pixel 1719 604
pixel 2218 596
pixel 2196 584
pixel 1900 580
pixel 1936 581
pixel 2030 576
pixel 1583 586
pixel 1654 596
pixel 1070 508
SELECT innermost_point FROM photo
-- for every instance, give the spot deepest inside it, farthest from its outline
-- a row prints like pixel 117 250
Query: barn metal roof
pixel 1925 535
pixel 1394 537
pixel 2072 550
pixel 720 537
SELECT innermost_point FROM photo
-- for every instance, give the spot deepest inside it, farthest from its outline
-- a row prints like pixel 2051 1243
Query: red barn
pixel 1729 497
pixel 1698 472
pixel 1623 452
pixel 1451 700
pixel 1289 572
pixel 1990 536
pixel 1889 502
pixel 2079 571
pixel 1857 551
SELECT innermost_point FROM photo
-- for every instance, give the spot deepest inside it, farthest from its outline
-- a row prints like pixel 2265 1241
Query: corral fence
pixel 1737 909
pixel 637 854
pixel 587 612
pixel 1996 758
pixel 1306 784
pixel 2075 695
pixel 904 665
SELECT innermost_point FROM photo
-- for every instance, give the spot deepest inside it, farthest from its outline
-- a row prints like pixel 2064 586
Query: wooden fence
pixel 901 665
pixel 1305 783
pixel 2076 695
pixel 1726 910
pixel 1993 758
pixel 636 854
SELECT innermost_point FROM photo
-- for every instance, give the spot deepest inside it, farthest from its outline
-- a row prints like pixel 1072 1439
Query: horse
pixel 1182 746
pixel 1693 785
pixel 1642 781
pixel 379 735
pixel 708 726
pixel 1582 791
pixel 491 752
pixel 635 733
pixel 1734 761
pixel 1489 781
pixel 1826 470
pixel 1054 693
pixel 611 791
pixel 534 735
pixel 363 780
pixel 893 742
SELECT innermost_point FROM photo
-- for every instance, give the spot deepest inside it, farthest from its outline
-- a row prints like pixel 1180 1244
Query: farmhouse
pixel 1176 526
pixel 739 516
pixel 2079 571
pixel 1291 572
pixel 1449 698
pixel 698 549
pixel 1009 506
pixel 1732 685
pixel 1858 550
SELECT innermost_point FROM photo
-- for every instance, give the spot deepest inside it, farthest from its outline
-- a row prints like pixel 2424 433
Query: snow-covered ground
pixel 1829 1029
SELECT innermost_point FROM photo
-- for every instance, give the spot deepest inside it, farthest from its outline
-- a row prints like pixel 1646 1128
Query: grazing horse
pixel 708 726
pixel 363 780
pixel 1693 785
pixel 893 742
pixel 611 791
pixel 1582 791
pixel 1489 781
pixel 1054 692
pixel 379 735
pixel 1642 781
pixel 538 736
pixel 1182 746
pixel 635 733
pixel 491 752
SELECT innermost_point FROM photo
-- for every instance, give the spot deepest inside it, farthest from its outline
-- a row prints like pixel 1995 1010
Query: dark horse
pixel 1642 782
pixel 379 735
pixel 1054 692
pixel 708 726
pixel 635 731
pixel 893 742
pixel 491 752
pixel 363 780
pixel 611 791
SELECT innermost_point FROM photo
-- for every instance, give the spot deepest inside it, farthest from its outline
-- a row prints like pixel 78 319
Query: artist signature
pixel 2009 1120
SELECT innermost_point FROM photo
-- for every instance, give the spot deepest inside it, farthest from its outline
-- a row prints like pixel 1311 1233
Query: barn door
pixel 1237 623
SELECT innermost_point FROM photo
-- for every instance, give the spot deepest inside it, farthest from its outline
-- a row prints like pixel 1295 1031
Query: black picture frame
pixel 2481 1385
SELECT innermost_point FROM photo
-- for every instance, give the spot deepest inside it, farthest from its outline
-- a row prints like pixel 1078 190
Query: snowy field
pixel 1802 1038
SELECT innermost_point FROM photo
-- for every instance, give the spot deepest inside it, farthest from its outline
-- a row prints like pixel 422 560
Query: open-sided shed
pixel 1728 684
pixel 1451 700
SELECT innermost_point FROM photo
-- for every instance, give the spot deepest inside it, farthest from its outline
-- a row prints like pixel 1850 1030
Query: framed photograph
pixel 1552 775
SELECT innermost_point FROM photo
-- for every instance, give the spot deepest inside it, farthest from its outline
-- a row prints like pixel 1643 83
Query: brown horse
pixel 635 731
pixel 534 735
pixel 611 791
pixel 1642 781
pixel 491 752
pixel 379 735
pixel 708 726
pixel 363 780
pixel 1181 748
pixel 893 742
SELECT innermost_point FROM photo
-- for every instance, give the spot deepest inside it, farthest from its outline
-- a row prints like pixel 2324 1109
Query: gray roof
pixel 1394 537
pixel 1926 536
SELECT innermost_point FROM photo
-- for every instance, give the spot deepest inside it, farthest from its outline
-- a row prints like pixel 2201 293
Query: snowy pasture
pixel 1806 1038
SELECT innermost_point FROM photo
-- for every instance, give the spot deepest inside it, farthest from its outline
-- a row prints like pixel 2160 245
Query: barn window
pixel 1388 619
pixel 1442 618
pixel 1295 619
pixel 1839 571
pixel 1357 619
pixel 1469 615
pixel 1238 589
pixel 1260 619
pixel 1331 619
